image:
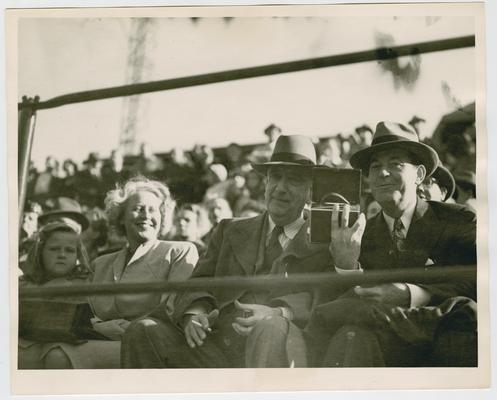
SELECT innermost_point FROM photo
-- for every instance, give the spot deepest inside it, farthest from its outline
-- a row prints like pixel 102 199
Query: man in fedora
pixel 244 328
pixel 400 323
pixel 440 186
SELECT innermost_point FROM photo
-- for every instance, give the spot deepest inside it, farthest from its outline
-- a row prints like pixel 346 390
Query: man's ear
pixel 421 174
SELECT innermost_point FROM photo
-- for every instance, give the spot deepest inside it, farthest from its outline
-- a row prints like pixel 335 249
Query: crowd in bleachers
pixel 198 176
pixel 206 186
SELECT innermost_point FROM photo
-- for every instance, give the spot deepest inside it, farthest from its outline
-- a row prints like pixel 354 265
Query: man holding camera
pixel 400 323
pixel 244 328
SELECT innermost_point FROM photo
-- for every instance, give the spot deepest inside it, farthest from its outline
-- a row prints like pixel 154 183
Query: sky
pixel 60 56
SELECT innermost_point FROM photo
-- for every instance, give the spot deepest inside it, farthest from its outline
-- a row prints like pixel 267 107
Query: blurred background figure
pixel 147 163
pixel 361 138
pixel 46 182
pixel 262 153
pixel 440 186
pixel 68 184
pixel 191 224
pixel 465 188
pixel 330 151
pixel 217 209
pixel 91 188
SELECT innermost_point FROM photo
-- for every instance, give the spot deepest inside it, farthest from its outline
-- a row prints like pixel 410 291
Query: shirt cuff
pixel 358 270
pixel 286 313
pixel 200 307
pixel 419 297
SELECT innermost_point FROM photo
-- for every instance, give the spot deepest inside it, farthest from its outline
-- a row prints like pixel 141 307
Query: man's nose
pixel 384 172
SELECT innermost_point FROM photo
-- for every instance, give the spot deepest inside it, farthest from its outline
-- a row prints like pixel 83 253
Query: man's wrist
pixel 353 266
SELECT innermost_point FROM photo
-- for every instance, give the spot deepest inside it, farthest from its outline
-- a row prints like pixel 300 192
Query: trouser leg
pixel 354 346
pixel 456 341
pixel 266 344
pixel 151 343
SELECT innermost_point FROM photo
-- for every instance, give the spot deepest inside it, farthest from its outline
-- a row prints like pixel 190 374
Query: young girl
pixel 56 258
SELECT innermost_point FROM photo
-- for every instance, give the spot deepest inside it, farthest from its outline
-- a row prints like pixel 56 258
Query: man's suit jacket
pixel 236 248
pixel 439 234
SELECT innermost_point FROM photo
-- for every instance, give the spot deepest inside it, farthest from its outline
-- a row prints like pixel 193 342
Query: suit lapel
pixel 245 240
pixel 424 233
pixel 377 249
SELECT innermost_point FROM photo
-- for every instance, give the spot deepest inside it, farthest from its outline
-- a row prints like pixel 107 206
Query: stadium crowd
pixel 171 216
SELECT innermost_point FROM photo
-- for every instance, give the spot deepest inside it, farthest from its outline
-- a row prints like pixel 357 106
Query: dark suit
pixel 237 248
pixel 440 234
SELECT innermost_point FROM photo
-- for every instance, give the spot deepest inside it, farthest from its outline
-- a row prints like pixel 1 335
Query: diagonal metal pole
pixel 25 132
pixel 264 70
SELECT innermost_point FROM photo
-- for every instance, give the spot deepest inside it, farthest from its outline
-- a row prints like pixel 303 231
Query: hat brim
pixel 74 215
pixel 446 180
pixel 425 154
pixel 262 168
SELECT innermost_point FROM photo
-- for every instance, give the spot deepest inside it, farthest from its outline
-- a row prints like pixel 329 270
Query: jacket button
pixel 226 341
pixel 390 253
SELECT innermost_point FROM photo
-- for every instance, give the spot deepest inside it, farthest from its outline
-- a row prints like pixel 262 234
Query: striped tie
pixel 273 249
pixel 398 235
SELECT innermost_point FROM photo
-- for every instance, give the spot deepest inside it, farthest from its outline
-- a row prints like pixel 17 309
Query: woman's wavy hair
pixel 34 270
pixel 115 202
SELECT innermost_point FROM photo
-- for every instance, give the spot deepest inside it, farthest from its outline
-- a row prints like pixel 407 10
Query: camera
pixel 332 189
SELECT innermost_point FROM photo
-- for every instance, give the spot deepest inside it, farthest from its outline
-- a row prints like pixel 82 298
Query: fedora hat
pixel 65 207
pixel 389 135
pixel 445 179
pixel 292 150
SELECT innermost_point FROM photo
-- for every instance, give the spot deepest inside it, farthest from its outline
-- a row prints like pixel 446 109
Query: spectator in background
pixel 362 138
pixel 180 175
pixel 440 186
pixel 46 182
pixel 466 188
pixel 234 157
pixel 215 181
pixel 217 209
pixel 148 164
pixel 263 152
pixel 68 185
pixel 191 223
pixel 91 189
pixel 252 208
pixel 331 153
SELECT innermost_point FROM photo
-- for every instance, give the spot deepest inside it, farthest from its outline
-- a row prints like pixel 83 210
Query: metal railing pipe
pixel 258 71
pixel 303 281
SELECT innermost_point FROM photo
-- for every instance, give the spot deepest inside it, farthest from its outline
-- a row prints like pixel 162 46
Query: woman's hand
pixel 113 329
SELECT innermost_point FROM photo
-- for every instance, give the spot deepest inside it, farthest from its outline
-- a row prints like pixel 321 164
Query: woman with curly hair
pixel 140 209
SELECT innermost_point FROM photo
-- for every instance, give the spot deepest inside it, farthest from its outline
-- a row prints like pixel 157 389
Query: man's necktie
pixel 398 235
pixel 273 248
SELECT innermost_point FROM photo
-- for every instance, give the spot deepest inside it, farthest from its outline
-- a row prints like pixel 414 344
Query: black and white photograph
pixel 251 198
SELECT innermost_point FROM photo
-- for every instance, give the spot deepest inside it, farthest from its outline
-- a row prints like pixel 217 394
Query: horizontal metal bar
pixel 253 72
pixel 266 282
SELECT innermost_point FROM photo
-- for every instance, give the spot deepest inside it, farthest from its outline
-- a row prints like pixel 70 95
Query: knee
pixel 140 328
pixel 274 326
pixel 57 359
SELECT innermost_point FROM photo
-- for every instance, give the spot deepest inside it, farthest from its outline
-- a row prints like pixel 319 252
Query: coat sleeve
pixel 457 246
pixel 206 267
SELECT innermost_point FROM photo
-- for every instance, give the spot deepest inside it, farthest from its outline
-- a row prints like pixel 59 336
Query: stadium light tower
pixel 135 68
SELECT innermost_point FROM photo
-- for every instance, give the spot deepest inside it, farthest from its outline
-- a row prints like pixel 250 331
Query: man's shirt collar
pixel 406 218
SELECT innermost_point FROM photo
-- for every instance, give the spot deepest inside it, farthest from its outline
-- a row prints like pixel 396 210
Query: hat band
pixel 391 138
pixel 292 158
